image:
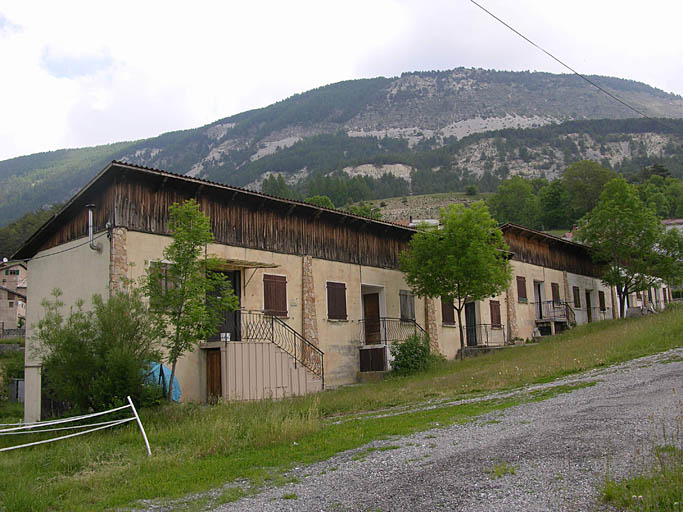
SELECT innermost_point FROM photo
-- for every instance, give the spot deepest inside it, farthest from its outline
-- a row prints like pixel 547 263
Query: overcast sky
pixel 84 73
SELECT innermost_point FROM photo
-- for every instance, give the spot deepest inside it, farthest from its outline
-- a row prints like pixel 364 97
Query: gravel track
pixel 561 449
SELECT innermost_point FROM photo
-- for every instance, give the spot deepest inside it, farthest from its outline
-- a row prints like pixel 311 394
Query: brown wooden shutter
pixel 521 289
pixel 601 300
pixel 577 297
pixel 275 295
pixel 447 312
pixel 555 290
pixel 336 301
pixel 495 313
pixel 407 304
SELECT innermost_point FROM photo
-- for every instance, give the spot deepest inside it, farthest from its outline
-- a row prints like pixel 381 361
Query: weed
pixel 501 469
pixel 290 496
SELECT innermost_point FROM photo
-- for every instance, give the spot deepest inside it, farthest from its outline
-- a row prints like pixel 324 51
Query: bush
pixel 11 367
pixel 411 355
pixel 471 190
pixel 93 359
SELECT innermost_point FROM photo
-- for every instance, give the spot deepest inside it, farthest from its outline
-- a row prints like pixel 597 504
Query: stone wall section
pixel 432 325
pixel 118 259
pixel 511 309
pixel 309 321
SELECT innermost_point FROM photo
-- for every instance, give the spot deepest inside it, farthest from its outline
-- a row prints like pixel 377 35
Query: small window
pixel 160 271
pixel 494 305
pixel 555 290
pixel 601 300
pixel 10 304
pixel 336 301
pixel 407 304
pixel 577 296
pixel 275 295
pixel 14 272
pixel 521 289
pixel 447 312
pixel 639 295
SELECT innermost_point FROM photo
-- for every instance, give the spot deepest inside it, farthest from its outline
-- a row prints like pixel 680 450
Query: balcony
pixel 554 311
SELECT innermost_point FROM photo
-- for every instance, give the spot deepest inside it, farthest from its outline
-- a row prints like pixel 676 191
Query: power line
pixel 614 97
pixel 54 253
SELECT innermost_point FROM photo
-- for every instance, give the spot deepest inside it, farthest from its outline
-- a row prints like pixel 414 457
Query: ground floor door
pixel 589 311
pixel 231 323
pixel 213 375
pixel 471 324
pixel 373 333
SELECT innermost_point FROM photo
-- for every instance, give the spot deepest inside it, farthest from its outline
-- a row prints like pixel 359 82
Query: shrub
pixel 11 367
pixel 471 190
pixel 411 355
pixel 93 359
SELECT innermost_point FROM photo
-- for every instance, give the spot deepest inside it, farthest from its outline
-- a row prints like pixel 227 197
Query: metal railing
pixel 389 330
pixel 554 311
pixel 485 335
pixel 598 314
pixel 262 327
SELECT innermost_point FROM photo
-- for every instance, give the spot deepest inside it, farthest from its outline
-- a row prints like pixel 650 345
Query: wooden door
pixel 471 324
pixel 589 311
pixel 214 388
pixel 373 333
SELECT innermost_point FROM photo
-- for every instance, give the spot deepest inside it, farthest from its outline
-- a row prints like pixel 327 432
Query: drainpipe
pixel 92 244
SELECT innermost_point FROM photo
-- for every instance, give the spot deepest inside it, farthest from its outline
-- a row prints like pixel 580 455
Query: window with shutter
pixel 447 313
pixel 495 314
pixel 336 301
pixel 521 289
pixel 555 290
pixel 577 297
pixel 275 295
pixel 407 303
pixel 601 300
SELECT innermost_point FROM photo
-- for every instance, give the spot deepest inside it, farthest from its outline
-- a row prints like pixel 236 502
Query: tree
pixel 584 181
pixel 323 201
pixel 514 201
pixel 276 186
pixel 626 236
pixel 366 210
pixel 464 261
pixel 188 298
pixel 555 206
pixel 93 359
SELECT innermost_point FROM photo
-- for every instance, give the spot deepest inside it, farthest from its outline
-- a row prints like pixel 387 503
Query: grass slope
pixel 196 448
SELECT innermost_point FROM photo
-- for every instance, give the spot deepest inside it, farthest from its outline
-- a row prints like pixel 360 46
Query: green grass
pixel 19 340
pixel 197 448
pixel 501 469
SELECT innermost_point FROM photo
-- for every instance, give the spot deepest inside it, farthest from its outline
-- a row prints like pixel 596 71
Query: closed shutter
pixel 407 303
pixel 336 301
pixel 577 297
pixel 275 295
pixel 555 289
pixel 495 313
pixel 601 300
pixel 447 313
pixel 521 289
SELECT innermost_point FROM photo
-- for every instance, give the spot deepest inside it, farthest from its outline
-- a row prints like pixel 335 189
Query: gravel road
pixel 561 449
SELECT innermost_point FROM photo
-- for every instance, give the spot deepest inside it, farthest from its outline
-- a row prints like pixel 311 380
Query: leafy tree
pixel 94 359
pixel 188 297
pixel 366 210
pixel 627 237
pixel 585 180
pixel 471 190
pixel 515 202
pixel 464 261
pixel 275 185
pixel 555 206
pixel 323 201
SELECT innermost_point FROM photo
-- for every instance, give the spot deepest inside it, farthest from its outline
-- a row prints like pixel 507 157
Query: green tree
pixel 555 206
pixel 626 236
pixel 94 359
pixel 323 201
pixel 464 261
pixel 584 181
pixel 514 201
pixel 365 210
pixel 275 185
pixel 188 298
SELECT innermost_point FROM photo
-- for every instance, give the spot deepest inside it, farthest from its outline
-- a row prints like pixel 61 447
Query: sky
pixel 76 74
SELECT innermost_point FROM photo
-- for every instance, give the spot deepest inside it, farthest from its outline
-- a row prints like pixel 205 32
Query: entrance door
pixel 589 311
pixel 538 298
pixel 213 374
pixel 231 319
pixel 371 315
pixel 471 324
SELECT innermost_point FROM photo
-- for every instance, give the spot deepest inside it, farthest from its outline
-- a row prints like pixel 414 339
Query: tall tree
pixel 626 235
pixel 464 261
pixel 514 201
pixel 585 180
pixel 187 297
pixel 555 206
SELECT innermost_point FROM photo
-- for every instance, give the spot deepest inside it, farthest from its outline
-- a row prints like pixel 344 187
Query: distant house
pixel 12 295
pixel 321 295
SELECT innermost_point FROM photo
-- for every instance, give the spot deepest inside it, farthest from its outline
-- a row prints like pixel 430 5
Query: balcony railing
pixel 554 311
pixel 262 327
pixel 484 335
pixel 385 331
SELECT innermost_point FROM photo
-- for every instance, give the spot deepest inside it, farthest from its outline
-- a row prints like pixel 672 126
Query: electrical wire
pixel 55 253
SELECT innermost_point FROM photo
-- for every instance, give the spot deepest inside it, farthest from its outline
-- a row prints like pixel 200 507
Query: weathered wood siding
pixel 552 254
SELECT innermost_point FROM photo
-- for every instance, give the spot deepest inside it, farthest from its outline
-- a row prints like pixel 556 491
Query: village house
pixel 321 295
pixel 12 296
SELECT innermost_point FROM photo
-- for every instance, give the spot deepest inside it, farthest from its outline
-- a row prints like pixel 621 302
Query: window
pixel 639 295
pixel 447 312
pixel 407 304
pixel 336 301
pixel 275 295
pixel 10 304
pixel 521 289
pixel 601 300
pixel 14 272
pixel 495 314
pixel 577 296
pixel 555 290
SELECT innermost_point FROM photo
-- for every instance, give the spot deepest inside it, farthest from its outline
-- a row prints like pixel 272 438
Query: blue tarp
pixel 161 375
